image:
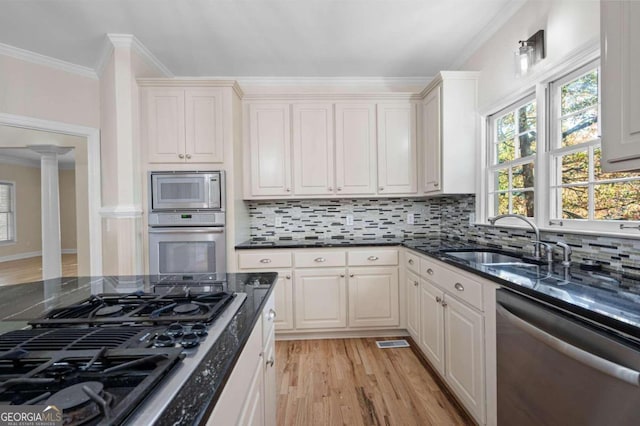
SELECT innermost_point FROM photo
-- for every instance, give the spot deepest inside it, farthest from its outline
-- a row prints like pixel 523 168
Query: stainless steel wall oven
pixel 187 223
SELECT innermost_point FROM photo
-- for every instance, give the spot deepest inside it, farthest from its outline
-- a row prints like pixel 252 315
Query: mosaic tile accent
pixel 448 216
pixel 326 218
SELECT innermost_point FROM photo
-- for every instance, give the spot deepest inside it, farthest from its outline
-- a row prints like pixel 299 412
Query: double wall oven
pixel 187 224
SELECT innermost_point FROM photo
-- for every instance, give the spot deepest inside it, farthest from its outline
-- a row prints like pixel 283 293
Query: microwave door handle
pixel 605 366
pixel 214 191
pixel 185 230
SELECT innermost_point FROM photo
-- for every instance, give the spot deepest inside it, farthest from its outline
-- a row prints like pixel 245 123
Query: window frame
pixel 13 228
pixel 539 85
pixel 490 168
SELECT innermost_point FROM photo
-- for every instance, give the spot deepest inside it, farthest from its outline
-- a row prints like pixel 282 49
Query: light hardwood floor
pixel 28 270
pixel 352 382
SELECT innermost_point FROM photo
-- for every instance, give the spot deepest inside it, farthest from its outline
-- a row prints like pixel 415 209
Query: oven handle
pixel 605 366
pixel 186 230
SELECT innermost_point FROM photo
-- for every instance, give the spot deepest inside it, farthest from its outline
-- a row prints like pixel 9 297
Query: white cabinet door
pixel 283 293
pixel 356 167
pixel 431 324
pixel 253 410
pixel 313 170
pixel 164 126
pixel 373 297
pixel 204 140
pixel 270 384
pixel 321 298
pixel 432 160
pixel 397 158
pixel 413 305
pixel 620 34
pixel 270 149
pixel 464 331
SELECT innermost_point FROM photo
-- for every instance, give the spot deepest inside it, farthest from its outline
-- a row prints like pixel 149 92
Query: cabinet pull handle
pixel 319 259
pixel 271 315
pixel 381 188
pixel 459 287
pixel 430 271
pixel 270 362
pixel 410 261
pixel 438 299
pixel 188 156
pixel 444 304
pixel 415 283
pixel 351 275
pixel 373 258
pixel 288 277
pixel 180 155
pixel 436 184
pixel 265 260
pixel 341 275
pixel 288 189
pixel 330 188
pixel 339 189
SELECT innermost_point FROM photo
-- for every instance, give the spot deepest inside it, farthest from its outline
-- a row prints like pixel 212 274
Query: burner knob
pixel 175 330
pixel 199 329
pixel 164 341
pixel 190 340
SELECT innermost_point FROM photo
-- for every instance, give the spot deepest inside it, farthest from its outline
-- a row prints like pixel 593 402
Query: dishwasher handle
pixel 605 366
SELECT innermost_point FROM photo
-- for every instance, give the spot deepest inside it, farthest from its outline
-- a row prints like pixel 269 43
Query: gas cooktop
pixel 99 360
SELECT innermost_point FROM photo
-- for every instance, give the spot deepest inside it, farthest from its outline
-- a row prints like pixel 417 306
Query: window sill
pixel 624 233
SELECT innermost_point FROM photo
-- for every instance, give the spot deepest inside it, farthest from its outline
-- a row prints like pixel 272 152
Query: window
pixel 513 137
pixel 580 190
pixel 7 212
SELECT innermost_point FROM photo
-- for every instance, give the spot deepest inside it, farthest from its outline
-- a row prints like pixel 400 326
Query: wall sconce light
pixel 529 53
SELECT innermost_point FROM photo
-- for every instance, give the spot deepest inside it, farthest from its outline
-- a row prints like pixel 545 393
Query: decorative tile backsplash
pixel 447 216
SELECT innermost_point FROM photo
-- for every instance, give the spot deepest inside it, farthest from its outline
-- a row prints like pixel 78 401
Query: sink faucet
pixel 536 243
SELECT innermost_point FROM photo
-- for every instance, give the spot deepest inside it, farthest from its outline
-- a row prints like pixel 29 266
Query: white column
pixel 50 196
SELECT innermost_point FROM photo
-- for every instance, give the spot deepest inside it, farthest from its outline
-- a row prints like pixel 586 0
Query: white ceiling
pixel 11 138
pixel 271 38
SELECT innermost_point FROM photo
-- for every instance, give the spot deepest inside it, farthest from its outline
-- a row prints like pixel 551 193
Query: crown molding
pixel 377 96
pixel 129 41
pixel 498 21
pixel 334 81
pixel 448 75
pixel 47 61
pixel 192 82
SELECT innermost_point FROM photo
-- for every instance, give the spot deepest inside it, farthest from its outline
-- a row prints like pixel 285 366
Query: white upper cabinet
pixel 313 169
pixel 183 125
pixel 397 165
pixel 620 34
pixel 355 149
pixel 449 134
pixel 270 149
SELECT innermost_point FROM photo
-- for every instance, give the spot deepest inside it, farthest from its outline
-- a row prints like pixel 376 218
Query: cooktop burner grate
pixel 139 308
pixel 54 339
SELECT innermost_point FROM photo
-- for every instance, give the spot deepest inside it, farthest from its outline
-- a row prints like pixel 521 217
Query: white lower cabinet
pixel 412 288
pixel 320 298
pixel 283 293
pixel 249 396
pixel 373 297
pixel 451 330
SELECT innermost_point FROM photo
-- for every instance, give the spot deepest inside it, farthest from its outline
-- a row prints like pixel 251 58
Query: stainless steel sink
pixel 485 257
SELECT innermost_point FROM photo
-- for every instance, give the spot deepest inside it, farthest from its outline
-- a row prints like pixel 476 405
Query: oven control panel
pixel 186 219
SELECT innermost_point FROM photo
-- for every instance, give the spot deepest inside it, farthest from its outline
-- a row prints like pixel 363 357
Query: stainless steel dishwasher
pixel 554 369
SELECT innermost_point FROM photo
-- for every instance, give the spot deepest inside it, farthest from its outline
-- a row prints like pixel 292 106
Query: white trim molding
pixel 20 256
pixel 47 61
pixel 92 136
pixel 121 211
pixel 333 81
pixel 131 42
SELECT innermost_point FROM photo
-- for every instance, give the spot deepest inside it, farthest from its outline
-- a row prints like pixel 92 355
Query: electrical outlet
pixel 411 219
pixel 472 218
pixel 349 220
pixel 278 221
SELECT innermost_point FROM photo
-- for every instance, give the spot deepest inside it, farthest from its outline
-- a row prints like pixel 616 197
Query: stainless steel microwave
pixel 178 191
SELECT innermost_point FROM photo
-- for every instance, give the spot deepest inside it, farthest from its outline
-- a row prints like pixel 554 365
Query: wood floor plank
pixel 353 382
pixel 29 270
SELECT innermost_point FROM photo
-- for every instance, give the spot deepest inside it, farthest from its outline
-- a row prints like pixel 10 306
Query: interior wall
pixel 568 25
pixel 28 225
pixel 42 92
pixel 67 184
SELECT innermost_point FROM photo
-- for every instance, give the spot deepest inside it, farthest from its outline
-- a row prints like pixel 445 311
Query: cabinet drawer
pixel 264 260
pixel 373 258
pixel 463 288
pixel 412 262
pixel 431 271
pixel 319 259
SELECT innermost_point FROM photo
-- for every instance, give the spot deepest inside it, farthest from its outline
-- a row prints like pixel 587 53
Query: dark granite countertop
pixel 197 397
pixel 610 299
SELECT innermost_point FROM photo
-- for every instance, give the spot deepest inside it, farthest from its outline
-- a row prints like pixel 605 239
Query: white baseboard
pixel 69 251
pixel 346 334
pixel 20 256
